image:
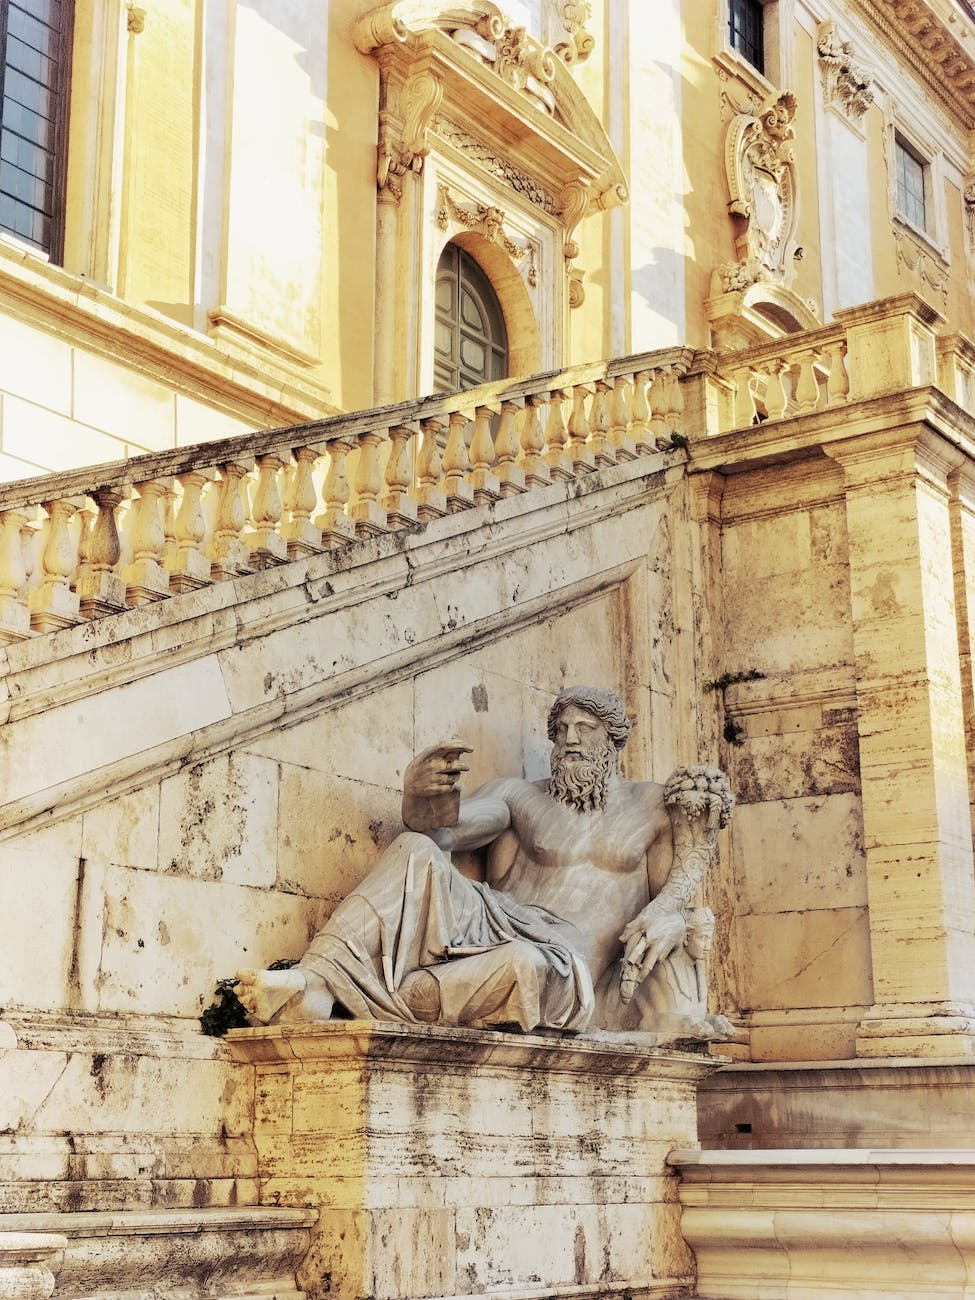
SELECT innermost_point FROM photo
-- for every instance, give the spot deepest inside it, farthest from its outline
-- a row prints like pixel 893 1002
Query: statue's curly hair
pixel 602 703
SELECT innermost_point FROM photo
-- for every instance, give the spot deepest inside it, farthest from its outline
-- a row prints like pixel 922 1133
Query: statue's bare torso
pixel 595 870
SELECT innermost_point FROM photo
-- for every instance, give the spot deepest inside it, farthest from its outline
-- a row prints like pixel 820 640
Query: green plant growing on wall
pixel 228 1011
pixel 733 732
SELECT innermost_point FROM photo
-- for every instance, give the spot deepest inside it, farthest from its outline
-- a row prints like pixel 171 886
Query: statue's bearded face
pixel 583 759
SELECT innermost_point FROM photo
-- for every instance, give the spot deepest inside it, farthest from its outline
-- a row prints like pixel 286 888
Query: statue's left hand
pixel 652 936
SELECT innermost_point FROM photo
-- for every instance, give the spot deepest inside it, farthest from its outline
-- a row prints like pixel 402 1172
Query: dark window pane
pixel 28 61
pixel 746 31
pixel 27 124
pixel 25 92
pixel 37 35
pixel 47 11
pixel 34 79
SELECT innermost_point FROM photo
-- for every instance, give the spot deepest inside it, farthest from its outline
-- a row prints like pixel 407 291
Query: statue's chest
pixel 555 836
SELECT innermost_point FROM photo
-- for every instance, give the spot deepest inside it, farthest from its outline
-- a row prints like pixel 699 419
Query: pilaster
pixel 918 836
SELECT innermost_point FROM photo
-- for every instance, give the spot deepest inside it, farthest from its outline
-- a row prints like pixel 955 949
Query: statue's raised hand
pixel 431 786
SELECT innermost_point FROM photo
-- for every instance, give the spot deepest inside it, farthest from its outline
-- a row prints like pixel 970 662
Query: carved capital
pixel 847 82
pixel 573 15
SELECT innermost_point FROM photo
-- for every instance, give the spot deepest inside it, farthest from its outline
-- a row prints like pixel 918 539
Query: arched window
pixel 470 339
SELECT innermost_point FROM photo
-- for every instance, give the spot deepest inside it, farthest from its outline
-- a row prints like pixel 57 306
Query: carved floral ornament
pixel 761 171
pixel 461 75
pixel 487 221
pixel 847 81
pixel 969 197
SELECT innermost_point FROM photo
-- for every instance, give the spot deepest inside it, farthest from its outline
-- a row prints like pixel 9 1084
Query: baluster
pixel 189 567
pixel 557 459
pixel 170 545
pixel 622 443
pixel 101 590
pixel 807 385
pixel 640 414
pixel 299 534
pixel 399 505
pixel 431 500
pixel 85 519
pixel 228 554
pixel 530 458
pixel 457 464
pixel 746 411
pixel 579 450
pixel 776 399
pixel 599 440
pixel 14 614
pixel 674 414
pixel 486 484
pixel 53 604
pixel 262 539
pixel 366 511
pixel 145 578
pixel 337 528
pixel 659 403
pixel 838 384
pixel 507 445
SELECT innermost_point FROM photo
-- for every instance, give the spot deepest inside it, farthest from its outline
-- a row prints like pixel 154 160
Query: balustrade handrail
pixel 788 345
pixel 124 534
pixel 84 481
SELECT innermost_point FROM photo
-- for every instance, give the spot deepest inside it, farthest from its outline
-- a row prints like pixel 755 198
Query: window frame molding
pixel 779 19
pixel 901 132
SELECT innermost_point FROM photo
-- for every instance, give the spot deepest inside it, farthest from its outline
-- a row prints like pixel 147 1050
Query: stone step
pixel 233 1254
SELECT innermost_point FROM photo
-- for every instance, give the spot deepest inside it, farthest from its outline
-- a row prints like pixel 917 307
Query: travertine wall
pixel 192 787
pixel 800 925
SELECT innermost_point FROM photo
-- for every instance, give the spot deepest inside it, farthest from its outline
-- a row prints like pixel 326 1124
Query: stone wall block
pixel 218 820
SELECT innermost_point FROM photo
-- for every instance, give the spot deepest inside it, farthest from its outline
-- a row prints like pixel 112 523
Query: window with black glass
pixel 35 44
pixel 746 31
pixel 470 339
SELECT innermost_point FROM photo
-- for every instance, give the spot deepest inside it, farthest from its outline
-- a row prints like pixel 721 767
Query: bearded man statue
pixel 584 917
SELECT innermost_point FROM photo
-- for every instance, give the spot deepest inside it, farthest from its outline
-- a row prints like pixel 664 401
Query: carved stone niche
pixel 462 74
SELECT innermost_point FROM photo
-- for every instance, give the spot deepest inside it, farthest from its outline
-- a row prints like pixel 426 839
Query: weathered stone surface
pixel 400 1132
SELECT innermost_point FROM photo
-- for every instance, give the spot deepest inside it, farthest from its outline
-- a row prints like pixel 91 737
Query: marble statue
pixel 584 919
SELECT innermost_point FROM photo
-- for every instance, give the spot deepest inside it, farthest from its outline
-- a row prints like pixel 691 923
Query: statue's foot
pixel 283 995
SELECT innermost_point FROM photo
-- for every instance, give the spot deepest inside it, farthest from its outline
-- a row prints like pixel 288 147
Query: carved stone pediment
pixel 762 181
pixel 491 81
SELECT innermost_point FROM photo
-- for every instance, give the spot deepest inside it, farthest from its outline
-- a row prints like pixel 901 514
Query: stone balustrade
pixel 883 347
pixel 86 543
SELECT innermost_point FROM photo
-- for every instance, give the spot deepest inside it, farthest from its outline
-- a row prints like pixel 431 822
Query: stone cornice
pixel 937 42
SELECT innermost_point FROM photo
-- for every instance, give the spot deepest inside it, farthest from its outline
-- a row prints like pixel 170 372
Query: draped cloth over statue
pixel 495 961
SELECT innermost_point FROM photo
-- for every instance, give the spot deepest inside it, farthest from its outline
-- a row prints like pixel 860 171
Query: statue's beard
pixel 581 782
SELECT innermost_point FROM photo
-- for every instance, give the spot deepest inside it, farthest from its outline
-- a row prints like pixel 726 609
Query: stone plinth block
pixel 448 1162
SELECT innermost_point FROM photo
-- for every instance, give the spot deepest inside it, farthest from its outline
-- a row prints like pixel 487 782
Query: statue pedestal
pixel 456 1162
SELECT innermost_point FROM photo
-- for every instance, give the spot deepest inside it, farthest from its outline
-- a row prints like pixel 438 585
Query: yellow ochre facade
pixel 369 372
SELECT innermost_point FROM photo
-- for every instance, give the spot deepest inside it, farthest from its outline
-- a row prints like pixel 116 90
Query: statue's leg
pixel 513 984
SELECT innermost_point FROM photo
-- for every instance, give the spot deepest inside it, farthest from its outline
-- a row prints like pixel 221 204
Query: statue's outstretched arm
pixel 432 802
pixel 699 803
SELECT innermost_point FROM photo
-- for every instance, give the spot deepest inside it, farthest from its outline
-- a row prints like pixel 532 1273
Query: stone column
pixel 917 830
